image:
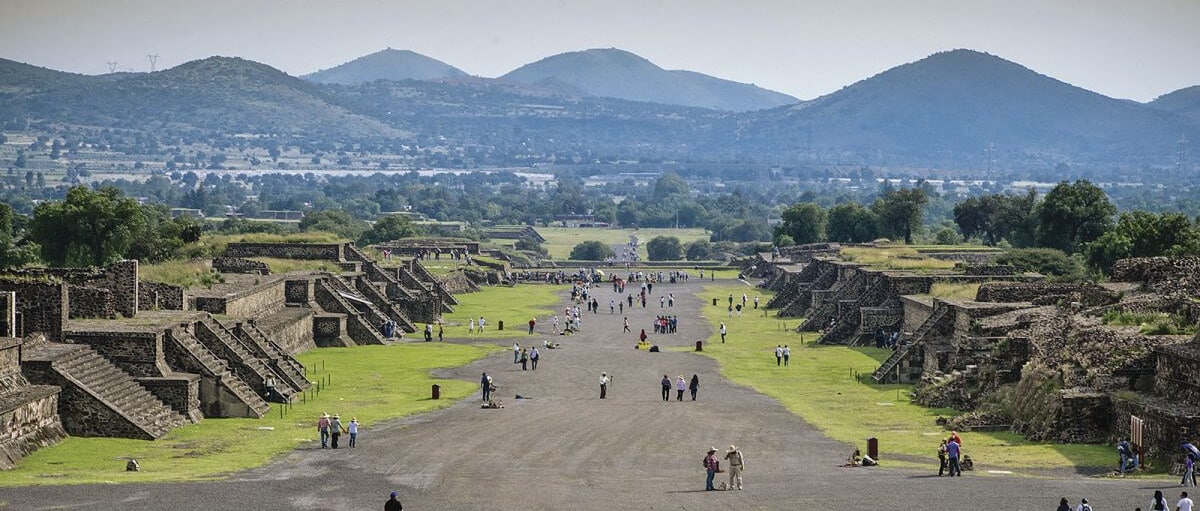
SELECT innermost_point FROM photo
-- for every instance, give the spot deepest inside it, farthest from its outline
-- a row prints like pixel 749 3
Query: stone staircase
pixel 251 369
pixel 819 315
pixel 128 408
pixel 359 328
pixel 374 315
pixel 286 366
pixel 422 273
pixel 375 296
pixel 907 345
pixel 185 351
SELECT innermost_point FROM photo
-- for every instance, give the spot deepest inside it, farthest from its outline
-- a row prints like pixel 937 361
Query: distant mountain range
pixel 613 73
pixel 389 64
pixel 952 110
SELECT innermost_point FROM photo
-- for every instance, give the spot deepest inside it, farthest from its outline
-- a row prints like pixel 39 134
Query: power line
pixel 112 66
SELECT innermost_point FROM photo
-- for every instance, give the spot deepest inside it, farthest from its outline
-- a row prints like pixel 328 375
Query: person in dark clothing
pixel 666 388
pixel 694 386
pixel 393 504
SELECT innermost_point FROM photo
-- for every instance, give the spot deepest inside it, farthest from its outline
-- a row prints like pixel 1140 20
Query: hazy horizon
pixel 1127 50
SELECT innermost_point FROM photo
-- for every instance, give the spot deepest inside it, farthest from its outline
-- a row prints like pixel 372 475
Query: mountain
pixel 389 64
pixel 949 108
pixel 226 95
pixel 1184 102
pixel 613 73
pixel 17 77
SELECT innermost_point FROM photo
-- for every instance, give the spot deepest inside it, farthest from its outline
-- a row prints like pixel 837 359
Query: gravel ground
pixel 567 449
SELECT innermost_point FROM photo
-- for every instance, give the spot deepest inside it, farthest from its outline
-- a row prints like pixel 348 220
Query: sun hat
pixel 732 448
pixel 712 449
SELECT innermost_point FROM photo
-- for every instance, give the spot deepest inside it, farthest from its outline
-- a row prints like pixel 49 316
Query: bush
pixel 664 248
pixel 1047 261
pixel 700 250
pixel 591 251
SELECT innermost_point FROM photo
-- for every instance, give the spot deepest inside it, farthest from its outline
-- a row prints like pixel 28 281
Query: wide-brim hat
pixel 712 449
pixel 732 448
pixel 324 416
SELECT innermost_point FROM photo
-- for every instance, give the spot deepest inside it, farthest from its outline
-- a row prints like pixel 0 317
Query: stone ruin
pixel 1028 355
pixel 97 352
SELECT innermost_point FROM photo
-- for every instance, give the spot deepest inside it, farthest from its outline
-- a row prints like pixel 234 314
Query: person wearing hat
pixel 736 463
pixel 352 429
pixel 1084 506
pixel 335 429
pixel 323 429
pixel 711 467
pixel 393 504
pixel 604 385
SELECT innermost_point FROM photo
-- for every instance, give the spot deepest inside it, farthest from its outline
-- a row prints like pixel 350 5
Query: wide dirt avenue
pixel 565 449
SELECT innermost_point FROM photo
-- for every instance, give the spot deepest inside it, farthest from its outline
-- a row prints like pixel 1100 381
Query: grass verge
pixel 560 240
pixel 512 305
pixel 373 383
pixel 820 386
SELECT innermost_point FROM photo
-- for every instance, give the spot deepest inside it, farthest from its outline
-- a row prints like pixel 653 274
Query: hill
pixel 947 109
pixel 613 73
pixel 1184 102
pixel 388 64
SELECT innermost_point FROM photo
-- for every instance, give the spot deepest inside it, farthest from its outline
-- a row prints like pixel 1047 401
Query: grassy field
pixel 372 383
pixel 512 305
pixel 894 258
pixel 821 387
pixel 560 240
pixel 954 290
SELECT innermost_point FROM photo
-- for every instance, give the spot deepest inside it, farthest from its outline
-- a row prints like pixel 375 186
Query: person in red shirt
pixel 711 467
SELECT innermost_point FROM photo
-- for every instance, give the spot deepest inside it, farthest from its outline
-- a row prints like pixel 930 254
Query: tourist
pixel 1123 455
pixel 481 323
pixel 953 450
pixel 1159 503
pixel 1185 503
pixel 731 300
pixel 670 299
pixel 778 354
pixel 335 430
pixel 323 430
pixel 524 359
pixel 441 332
pixel 627 330
pixel 352 430
pixel 485 383
pixel 604 385
pixel 516 352
pixel 1063 505
pixel 941 454
pixel 532 323
pixel 736 463
pixel 694 385
pixel 428 332
pixel 642 336
pixel 787 355
pixel 755 302
pixel 471 326
pixel 666 388
pixel 612 306
pixel 1084 506
pixel 393 504
pixel 731 310
pixel 621 307
pixel 533 358
pixel 711 467
pixel 1189 471
pixel 722 332
pixel 680 386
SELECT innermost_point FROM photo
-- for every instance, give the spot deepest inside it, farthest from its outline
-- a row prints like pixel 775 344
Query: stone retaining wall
pixel 180 391
pixel 1088 294
pixel 138 353
pixel 43 307
pixel 91 302
pixel 307 251
pixel 240 265
pixel 253 302
pixel 28 421
pixel 158 296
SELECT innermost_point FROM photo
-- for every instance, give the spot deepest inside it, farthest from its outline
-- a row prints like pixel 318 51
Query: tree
pixel 664 248
pixel 699 250
pixel 1047 261
pixel 591 251
pixel 388 228
pixel 1073 215
pixel 12 253
pixel 900 212
pixel 335 221
pixel 998 217
pixel 87 228
pixel 669 184
pixel 1143 234
pixel 805 223
pixel 851 223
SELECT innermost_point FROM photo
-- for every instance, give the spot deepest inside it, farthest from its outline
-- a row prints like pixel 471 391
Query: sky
pixel 1129 49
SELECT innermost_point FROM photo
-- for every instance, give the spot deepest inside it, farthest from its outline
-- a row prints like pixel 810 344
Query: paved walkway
pixel 566 449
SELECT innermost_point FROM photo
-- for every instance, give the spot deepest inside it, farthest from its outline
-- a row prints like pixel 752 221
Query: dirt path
pixel 567 449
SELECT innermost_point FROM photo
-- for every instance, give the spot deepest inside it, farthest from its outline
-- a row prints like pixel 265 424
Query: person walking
pixel 532 323
pixel 441 333
pixel 694 385
pixel 516 352
pixel 1084 506
pixel 524 359
pixel 352 430
pixel 737 462
pixel 722 332
pixel 323 429
pixel 393 503
pixel 485 383
pixel 533 358
pixel 711 466
pixel 1189 471
pixel 335 431
pixel 1063 505
pixel 953 449
pixel 941 453
pixel 471 326
pixel 481 323
pixel 428 332
pixel 778 354
pixel 604 380
pixel 666 388
pixel 680 386
pixel 627 330
pixel 787 355
pixel 1185 503
pixel 1159 503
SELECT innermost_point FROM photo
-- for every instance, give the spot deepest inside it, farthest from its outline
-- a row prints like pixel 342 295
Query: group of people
pixel 666 324
pixel 680 386
pixel 950 455
pixel 525 356
pixel 471 325
pixel 1158 503
pixel 712 466
pixel 330 430
pixel 783 353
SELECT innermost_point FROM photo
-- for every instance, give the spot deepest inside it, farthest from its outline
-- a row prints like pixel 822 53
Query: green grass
pixel 820 386
pixel 894 258
pixel 954 290
pixel 289 265
pixel 373 383
pixel 512 305
pixel 560 240
pixel 1151 323
pixel 193 273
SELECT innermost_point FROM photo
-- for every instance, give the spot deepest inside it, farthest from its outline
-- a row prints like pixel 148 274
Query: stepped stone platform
pixel 28 412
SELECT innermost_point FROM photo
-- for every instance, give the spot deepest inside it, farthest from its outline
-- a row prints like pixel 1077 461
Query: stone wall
pixel 121 279
pixel 1177 372
pixel 158 296
pixel 1162 274
pixel 43 307
pixel 299 291
pixel 138 353
pixel 80 412
pixel 290 328
pixel 255 301
pixel 1045 293
pixel 1165 425
pixel 180 391
pixel 916 310
pixel 91 302
pixel 28 421
pixel 308 251
pixel 240 265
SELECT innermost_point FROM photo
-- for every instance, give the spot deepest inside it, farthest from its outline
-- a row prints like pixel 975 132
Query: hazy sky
pixel 1136 49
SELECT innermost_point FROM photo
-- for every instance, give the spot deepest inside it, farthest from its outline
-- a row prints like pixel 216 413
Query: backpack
pixel 1086 507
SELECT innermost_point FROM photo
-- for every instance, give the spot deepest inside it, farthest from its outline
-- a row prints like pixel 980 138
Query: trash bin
pixel 699 345
pixel 873 448
pixel 714 302
pixel 437 391
pixel 500 324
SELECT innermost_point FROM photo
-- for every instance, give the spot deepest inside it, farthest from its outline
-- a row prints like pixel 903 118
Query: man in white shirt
pixel 603 385
pixel 1184 504
pixel 516 351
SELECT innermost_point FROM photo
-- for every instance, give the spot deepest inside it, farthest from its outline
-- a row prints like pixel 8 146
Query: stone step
pixel 119 391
